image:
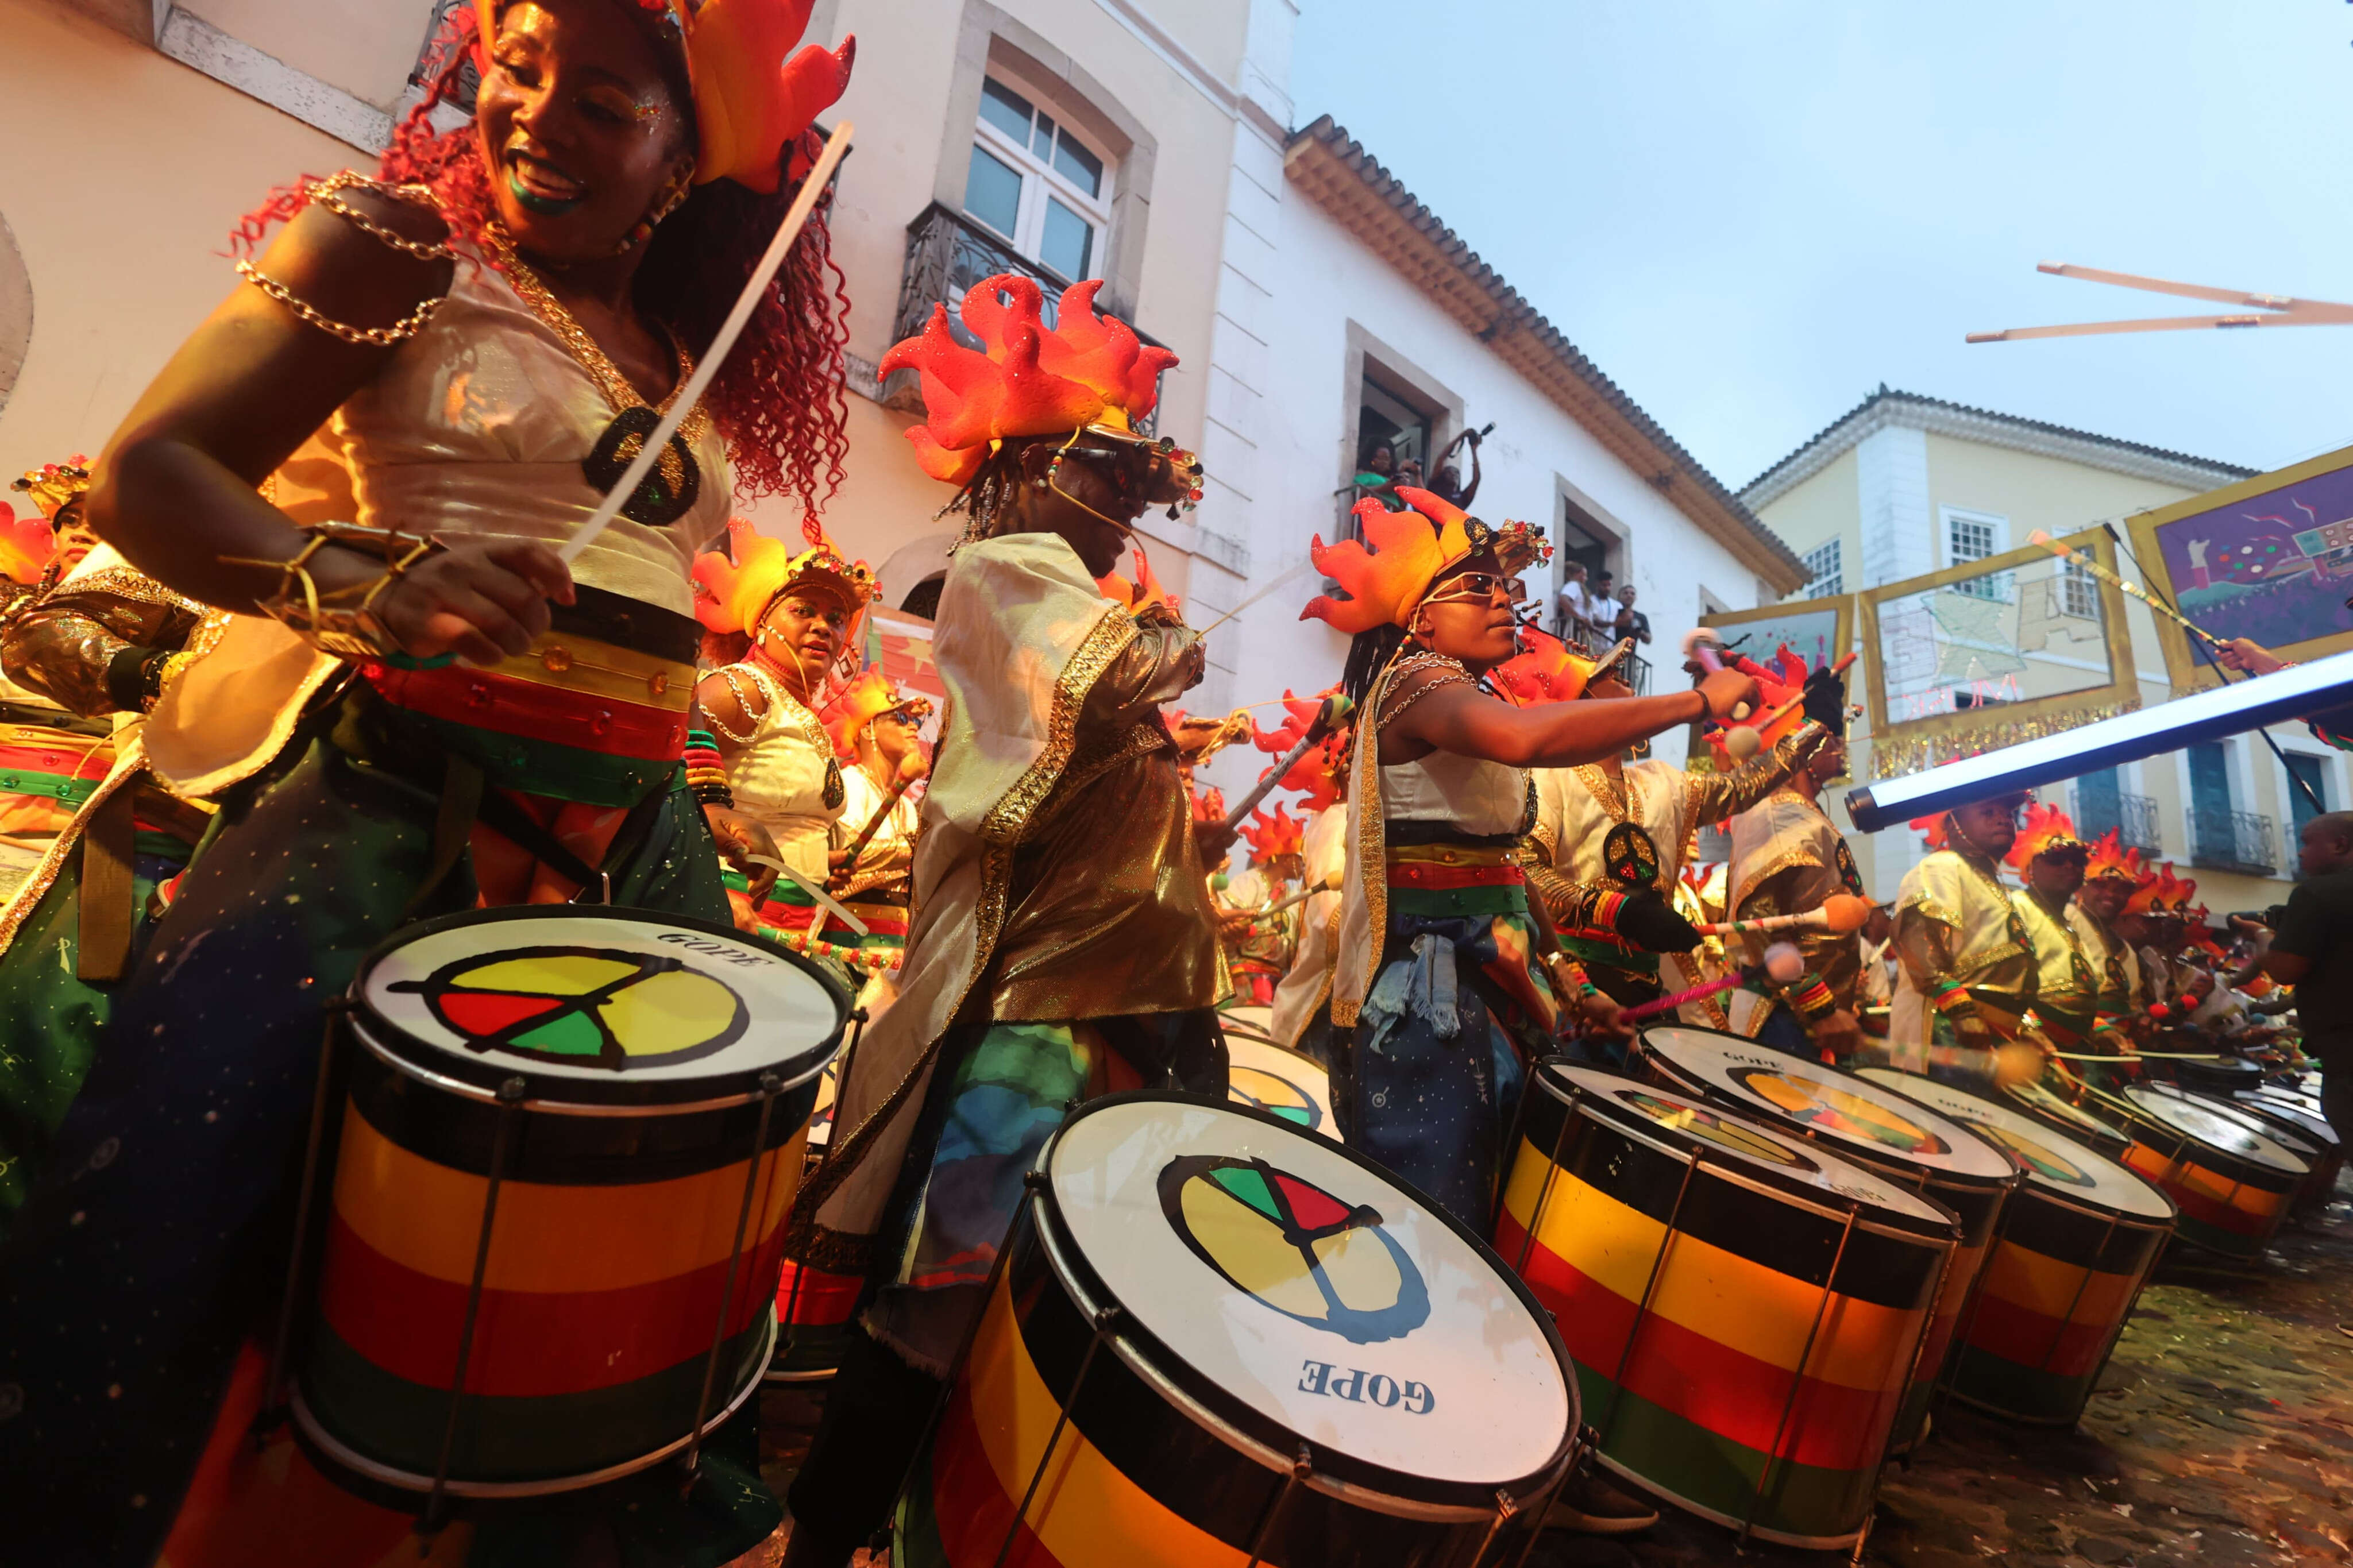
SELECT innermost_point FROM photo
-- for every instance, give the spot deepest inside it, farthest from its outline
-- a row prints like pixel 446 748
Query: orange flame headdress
pixel 862 702
pixel 1546 669
pixel 2111 858
pixel 1088 372
pixel 2047 831
pixel 1413 548
pixel 26 543
pixel 52 484
pixel 751 102
pixel 1143 596
pixel 1274 832
pixel 734 595
pixel 1777 683
pixel 1321 770
pixel 2162 893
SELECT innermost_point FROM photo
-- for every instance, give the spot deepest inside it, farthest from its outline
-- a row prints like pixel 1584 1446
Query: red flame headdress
pixel 2111 858
pixel 1546 669
pixel 2162 894
pixel 734 595
pixel 27 544
pixel 1321 770
pixel 750 102
pixel 1088 372
pixel 1274 832
pixel 1412 550
pixel 2047 831
pixel 1144 595
pixel 1777 683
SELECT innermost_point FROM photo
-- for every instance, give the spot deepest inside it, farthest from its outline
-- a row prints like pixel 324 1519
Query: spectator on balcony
pixel 1376 476
pixel 1601 606
pixel 1447 480
pixel 1631 622
pixel 1568 604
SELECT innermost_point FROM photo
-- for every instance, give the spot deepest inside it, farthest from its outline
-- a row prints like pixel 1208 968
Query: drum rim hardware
pixel 1192 1396
pixel 611 1094
pixel 1575 1096
pixel 2055 1194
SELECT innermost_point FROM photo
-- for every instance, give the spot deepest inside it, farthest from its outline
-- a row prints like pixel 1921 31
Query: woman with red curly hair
pixel 370 453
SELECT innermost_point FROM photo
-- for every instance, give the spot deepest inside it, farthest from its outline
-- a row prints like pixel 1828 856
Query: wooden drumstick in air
pixel 1336 708
pixel 899 786
pixel 1700 651
pixel 837 147
pixel 1329 884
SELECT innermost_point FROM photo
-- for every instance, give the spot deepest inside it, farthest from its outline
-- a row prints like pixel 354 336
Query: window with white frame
pixel 1037 181
pixel 2079 593
pixel 1973 536
pixel 1828 578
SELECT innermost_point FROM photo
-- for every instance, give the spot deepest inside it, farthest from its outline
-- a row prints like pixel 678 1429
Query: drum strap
pixel 465 802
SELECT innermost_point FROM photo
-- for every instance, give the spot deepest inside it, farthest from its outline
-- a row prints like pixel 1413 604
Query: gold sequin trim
pixel 125 583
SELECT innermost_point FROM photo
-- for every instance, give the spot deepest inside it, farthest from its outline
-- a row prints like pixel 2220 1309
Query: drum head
pixel 1785 1161
pixel 2211 1126
pixel 2040 1099
pixel 608 1005
pixel 2294 1143
pixel 1876 1124
pixel 1304 1283
pixel 1280 1082
pixel 2056 1164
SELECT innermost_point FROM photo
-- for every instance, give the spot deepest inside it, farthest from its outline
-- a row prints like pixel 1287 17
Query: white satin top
pixel 1478 797
pixel 778 777
pixel 477 426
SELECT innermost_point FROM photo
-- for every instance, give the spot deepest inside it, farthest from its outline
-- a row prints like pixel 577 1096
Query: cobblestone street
pixel 2221 1435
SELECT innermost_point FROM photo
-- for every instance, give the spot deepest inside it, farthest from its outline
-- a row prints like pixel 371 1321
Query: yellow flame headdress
pixel 861 702
pixel 732 595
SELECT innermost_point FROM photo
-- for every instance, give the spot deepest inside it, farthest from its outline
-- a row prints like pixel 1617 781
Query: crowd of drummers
pixel 481 993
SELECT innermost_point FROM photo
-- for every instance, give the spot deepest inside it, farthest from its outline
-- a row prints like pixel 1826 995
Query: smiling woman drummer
pixel 370 452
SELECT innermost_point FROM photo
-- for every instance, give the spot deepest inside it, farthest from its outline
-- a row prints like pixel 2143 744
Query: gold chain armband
pixel 320 618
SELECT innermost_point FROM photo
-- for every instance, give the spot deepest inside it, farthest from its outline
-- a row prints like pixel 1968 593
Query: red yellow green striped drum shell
pixel 1216 1339
pixel 1746 1311
pixel 2075 1243
pixel 2229 1183
pixel 2232 1183
pixel 2292 1116
pixel 1873 1127
pixel 634 1090
pixel 2320 1174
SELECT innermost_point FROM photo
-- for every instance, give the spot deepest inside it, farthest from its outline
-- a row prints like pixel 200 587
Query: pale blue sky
pixel 1750 213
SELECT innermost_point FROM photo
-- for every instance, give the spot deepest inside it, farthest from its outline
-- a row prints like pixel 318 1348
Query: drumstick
pixel 1840 913
pixel 1296 569
pixel 1335 707
pixel 1779 957
pixel 812 890
pixel 1329 884
pixel 899 786
pixel 2091 563
pixel 837 147
pixel 1704 655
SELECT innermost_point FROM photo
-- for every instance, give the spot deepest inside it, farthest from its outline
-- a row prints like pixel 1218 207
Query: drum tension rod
pixel 1300 1469
pixel 510 1096
pixel 1103 1319
pixel 273 1391
pixel 770 1087
pixel 1798 1376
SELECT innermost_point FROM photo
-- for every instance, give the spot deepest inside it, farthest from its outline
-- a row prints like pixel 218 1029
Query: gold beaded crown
pixel 53 485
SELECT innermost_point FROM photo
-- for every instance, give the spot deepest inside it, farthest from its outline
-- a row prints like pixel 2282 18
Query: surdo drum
pixel 2317 1154
pixel 547 1229
pixel 2075 1243
pixel 1217 1338
pixel 2045 1105
pixel 1873 1127
pixel 1746 1311
pixel 2232 1183
pixel 1282 1082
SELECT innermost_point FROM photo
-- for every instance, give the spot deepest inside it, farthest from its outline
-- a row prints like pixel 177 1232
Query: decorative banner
pixel 901 644
pixel 1993 652
pixel 2269 558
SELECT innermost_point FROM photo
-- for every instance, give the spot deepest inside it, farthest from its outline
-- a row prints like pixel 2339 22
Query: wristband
pixel 1953 1000
pixel 1810 995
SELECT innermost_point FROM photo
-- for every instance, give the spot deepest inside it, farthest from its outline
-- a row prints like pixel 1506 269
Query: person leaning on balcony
pixel 1446 479
pixel 1601 604
pixel 1568 604
pixel 1631 622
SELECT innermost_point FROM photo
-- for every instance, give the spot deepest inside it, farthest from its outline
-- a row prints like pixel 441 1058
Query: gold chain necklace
pixel 619 393
pixel 1617 806
pixel 798 714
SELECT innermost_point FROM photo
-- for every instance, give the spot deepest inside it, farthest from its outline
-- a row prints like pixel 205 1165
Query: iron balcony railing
pixel 2233 841
pixel 948 253
pixel 2135 823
